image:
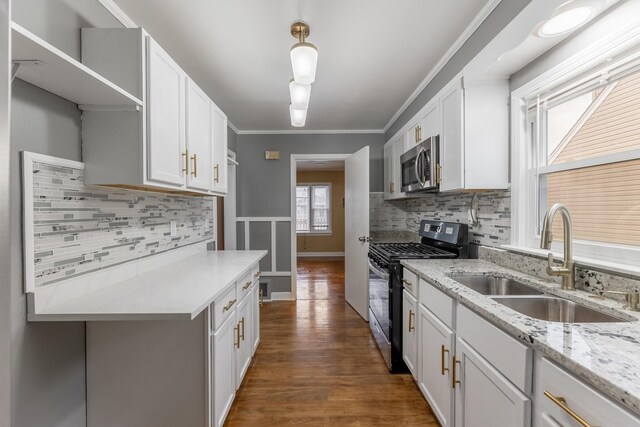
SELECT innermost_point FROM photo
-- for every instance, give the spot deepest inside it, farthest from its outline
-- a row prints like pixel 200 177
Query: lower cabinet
pixel 409 334
pixel 255 316
pixel 244 347
pixel 436 347
pixel 223 370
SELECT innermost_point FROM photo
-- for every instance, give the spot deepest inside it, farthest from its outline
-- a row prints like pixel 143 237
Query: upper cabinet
pixel 175 142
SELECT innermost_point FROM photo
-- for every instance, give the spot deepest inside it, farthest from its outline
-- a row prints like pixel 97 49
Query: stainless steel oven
pixel 379 309
pixel 420 167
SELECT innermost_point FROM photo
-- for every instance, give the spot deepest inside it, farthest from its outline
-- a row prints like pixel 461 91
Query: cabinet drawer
pixel 512 358
pixel 579 397
pixel 243 286
pixel 410 282
pixel 255 273
pixel 437 302
pixel 223 307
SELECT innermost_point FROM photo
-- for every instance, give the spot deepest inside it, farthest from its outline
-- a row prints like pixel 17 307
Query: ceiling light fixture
pixel 300 94
pixel 566 21
pixel 304 56
pixel 298 116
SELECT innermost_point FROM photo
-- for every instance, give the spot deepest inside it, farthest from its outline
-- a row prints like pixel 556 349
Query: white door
pixel 356 246
pixel 198 138
pixel 225 342
pixel 166 136
pixel 245 347
pixel 219 161
pixel 436 351
pixel 452 138
pixel 409 334
pixel 484 397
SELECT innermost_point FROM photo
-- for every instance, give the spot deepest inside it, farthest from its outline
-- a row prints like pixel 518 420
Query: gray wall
pixel 263 185
pixel 495 22
pixel 48 366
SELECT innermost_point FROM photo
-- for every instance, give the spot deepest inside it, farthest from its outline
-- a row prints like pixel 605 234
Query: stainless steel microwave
pixel 420 167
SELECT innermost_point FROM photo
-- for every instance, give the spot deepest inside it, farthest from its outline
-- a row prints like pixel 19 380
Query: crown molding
pixel 473 26
pixel 233 128
pixel 118 13
pixel 310 132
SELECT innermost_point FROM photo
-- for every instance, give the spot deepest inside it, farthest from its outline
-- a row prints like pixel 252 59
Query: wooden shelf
pixel 54 71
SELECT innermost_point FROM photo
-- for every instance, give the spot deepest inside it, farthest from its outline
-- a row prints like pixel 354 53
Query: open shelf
pixel 54 71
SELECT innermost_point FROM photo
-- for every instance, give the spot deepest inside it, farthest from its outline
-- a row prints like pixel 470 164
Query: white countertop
pixel 178 290
pixel 605 354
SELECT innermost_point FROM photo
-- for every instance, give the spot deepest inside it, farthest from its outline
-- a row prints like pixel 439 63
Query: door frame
pixel 292 193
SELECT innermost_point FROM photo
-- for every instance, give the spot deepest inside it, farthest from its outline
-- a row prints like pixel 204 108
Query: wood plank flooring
pixel 318 365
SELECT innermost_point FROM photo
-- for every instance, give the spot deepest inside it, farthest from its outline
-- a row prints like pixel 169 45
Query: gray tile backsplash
pixel 79 228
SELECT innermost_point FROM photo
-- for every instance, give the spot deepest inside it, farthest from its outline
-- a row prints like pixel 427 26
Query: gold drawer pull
pixel 186 162
pixel 443 350
pixel 257 274
pixel 412 315
pixel 236 344
pixel 216 173
pixel 229 305
pixel 246 286
pixel 195 165
pixel 408 283
pixel 454 381
pixel 562 403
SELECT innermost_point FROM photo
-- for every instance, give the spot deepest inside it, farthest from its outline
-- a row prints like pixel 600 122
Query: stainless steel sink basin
pixel 554 309
pixel 494 285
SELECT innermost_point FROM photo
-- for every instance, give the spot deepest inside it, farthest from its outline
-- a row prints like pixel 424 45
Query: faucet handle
pixel 632 298
pixel 551 270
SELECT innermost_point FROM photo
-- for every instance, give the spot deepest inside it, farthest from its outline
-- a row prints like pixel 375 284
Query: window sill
pixel 616 269
pixel 311 233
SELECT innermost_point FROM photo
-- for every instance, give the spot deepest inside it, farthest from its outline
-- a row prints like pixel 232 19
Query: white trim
pixel 320 254
pixel 247 241
pixel 309 131
pixel 263 219
pixel 591 161
pixel 118 13
pixel 275 273
pixel 281 296
pixel 471 28
pixel 274 256
pixel 232 126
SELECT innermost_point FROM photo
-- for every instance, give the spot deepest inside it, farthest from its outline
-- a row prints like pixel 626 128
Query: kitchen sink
pixel 495 285
pixel 554 309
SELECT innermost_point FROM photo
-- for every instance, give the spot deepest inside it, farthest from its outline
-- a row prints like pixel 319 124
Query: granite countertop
pixel 606 355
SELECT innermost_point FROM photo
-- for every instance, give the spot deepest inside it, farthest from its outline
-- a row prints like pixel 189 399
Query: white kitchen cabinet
pixel 434 358
pixel 484 397
pixel 409 334
pixel 199 138
pixel 431 122
pixel 387 155
pixel 175 142
pixel 244 348
pixel 565 392
pixel 225 343
pixel 392 169
pixel 452 138
pixel 255 316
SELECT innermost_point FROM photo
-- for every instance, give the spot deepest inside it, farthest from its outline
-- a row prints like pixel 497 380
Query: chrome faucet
pixel 567 271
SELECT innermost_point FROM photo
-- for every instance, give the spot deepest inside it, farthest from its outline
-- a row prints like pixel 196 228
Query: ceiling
pixel 372 54
pixel 320 165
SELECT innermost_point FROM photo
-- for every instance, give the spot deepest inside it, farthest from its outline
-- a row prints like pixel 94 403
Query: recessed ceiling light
pixel 566 21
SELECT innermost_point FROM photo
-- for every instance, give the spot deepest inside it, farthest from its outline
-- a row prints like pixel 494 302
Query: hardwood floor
pixel 318 365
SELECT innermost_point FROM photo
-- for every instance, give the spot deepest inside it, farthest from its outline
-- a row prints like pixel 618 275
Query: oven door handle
pixel 378 272
pixel 420 179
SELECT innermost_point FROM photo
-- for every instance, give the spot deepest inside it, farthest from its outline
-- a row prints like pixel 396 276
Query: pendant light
pixel 298 116
pixel 304 56
pixel 300 94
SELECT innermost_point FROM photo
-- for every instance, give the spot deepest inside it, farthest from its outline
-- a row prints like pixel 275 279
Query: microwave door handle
pixel 420 179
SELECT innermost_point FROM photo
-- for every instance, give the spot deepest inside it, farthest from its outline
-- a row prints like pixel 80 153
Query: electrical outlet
pixel 174 229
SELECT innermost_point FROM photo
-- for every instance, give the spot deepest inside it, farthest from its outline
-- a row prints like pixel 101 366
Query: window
pixel 585 154
pixel 313 208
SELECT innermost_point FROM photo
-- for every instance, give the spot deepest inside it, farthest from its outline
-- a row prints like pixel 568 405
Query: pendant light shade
pixel 298 116
pixel 300 94
pixel 304 60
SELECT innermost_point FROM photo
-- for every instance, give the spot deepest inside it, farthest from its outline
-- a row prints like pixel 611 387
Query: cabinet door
pixel 398 151
pixel 412 137
pixel 430 123
pixel 435 353
pixel 484 397
pixel 452 138
pixel 388 169
pixel 225 342
pixel 219 147
pixel 199 136
pixel 166 116
pixel 255 316
pixel 409 335
pixel 245 348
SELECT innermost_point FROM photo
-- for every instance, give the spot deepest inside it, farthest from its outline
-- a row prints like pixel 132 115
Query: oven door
pixel 379 300
pixel 420 167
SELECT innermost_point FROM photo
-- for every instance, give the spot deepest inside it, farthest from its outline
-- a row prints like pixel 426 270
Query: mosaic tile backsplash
pixel 79 228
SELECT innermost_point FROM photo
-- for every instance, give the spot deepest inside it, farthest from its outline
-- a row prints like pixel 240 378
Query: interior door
pixel 356 221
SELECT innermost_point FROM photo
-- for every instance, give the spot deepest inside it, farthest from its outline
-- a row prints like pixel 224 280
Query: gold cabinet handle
pixel 185 169
pixel 562 403
pixel 412 315
pixel 216 173
pixel 229 305
pixel 443 351
pixel 194 158
pixel 419 133
pixel 243 329
pixel 236 344
pixel 438 173
pixel 257 275
pixel 246 286
pixel 408 283
pixel 454 381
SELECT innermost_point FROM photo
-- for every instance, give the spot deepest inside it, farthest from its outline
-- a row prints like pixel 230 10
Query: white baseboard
pixel 319 254
pixel 281 296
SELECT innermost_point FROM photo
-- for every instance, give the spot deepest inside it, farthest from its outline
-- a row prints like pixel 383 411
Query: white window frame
pixel 525 217
pixel 328 231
